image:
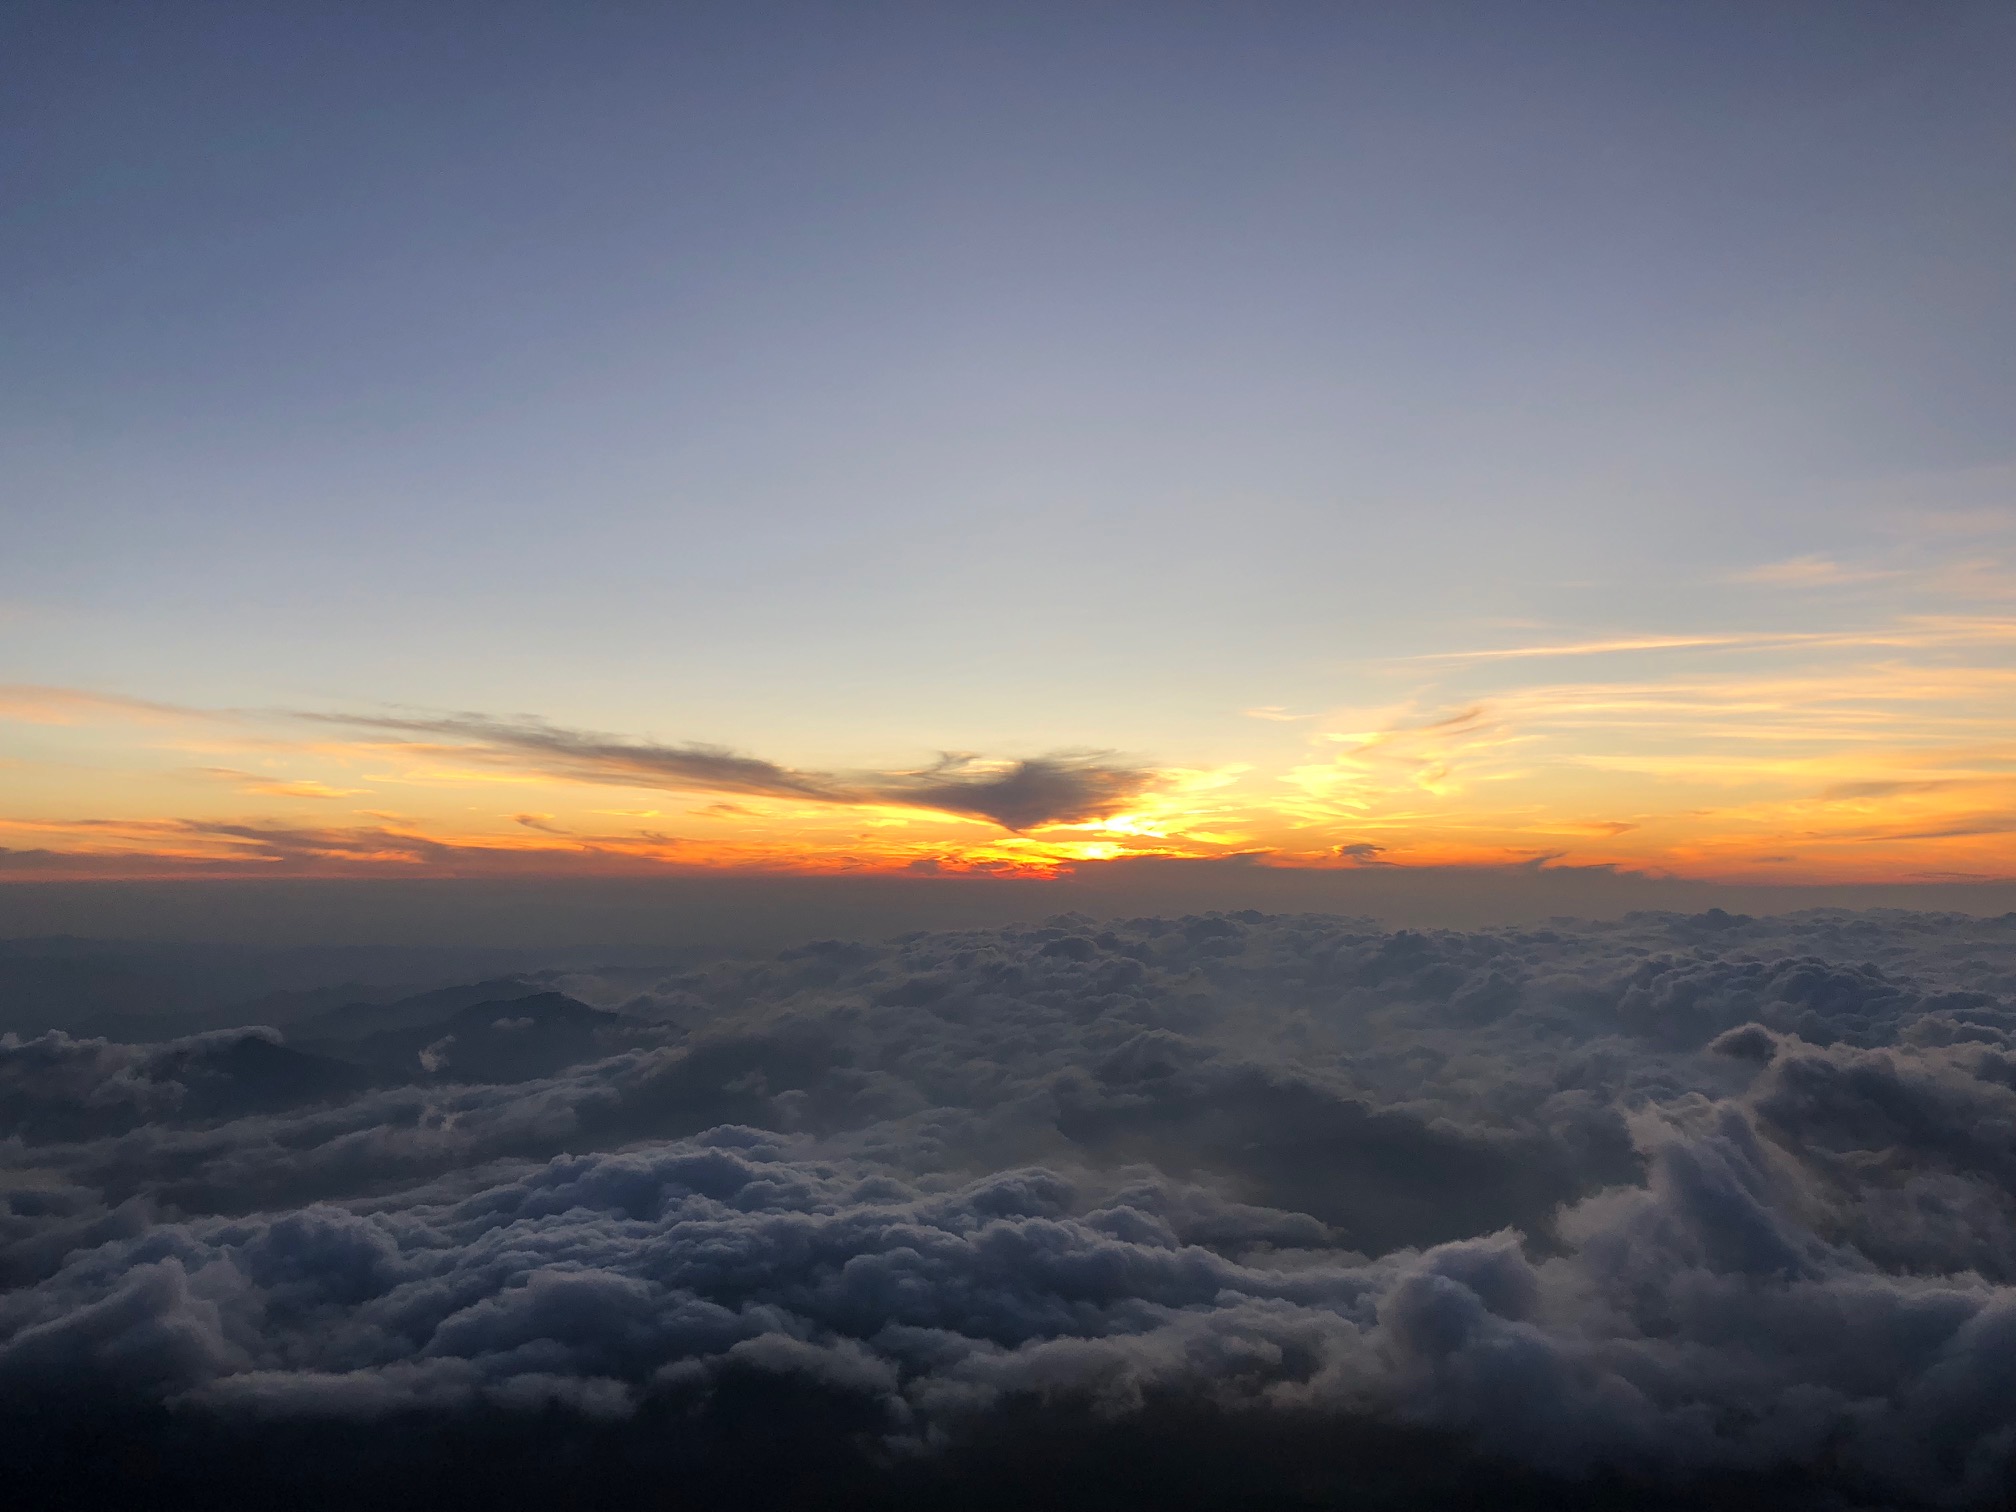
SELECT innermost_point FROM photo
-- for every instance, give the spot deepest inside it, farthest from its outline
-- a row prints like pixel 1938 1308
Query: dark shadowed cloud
pixel 1055 789
pixel 1060 788
pixel 1701 1207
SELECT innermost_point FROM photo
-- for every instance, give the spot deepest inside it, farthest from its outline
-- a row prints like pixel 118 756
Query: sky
pixel 512 440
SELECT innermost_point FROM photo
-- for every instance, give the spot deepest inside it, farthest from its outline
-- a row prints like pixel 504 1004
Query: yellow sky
pixel 1884 753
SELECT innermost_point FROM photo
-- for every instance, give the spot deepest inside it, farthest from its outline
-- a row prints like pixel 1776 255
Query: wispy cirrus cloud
pixel 1810 572
pixel 1916 632
pixel 1853 753
pixel 37 703
pixel 1583 648
pixel 276 787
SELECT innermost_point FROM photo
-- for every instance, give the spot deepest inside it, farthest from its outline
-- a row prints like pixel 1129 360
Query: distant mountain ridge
pixel 142 991
pixel 360 1019
pixel 516 1038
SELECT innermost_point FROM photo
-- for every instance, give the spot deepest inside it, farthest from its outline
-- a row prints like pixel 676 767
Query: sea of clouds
pixel 1670 1202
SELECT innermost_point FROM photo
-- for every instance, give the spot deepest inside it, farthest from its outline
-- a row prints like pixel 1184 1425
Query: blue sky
pixel 849 383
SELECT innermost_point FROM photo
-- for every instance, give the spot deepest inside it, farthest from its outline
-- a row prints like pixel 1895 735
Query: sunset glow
pixel 1821 756
pixel 1398 448
pixel 760 755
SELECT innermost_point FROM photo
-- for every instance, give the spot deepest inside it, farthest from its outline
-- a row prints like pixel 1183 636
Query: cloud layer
pixel 1696 1201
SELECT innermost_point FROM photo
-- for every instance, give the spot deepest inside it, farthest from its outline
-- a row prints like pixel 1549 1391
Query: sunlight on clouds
pixel 1831 771
pixel 304 789
pixel 268 787
pixel 1835 754
pixel 32 704
pixel 1915 632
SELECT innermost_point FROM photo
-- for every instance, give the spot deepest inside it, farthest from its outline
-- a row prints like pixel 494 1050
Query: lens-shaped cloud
pixel 1062 788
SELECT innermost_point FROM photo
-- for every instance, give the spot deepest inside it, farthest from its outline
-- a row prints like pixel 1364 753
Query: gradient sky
pixel 611 437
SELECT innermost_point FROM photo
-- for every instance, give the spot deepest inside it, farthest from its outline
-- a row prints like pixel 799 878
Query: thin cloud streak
pixel 275 787
pixel 1809 572
pixel 38 703
pixel 1917 633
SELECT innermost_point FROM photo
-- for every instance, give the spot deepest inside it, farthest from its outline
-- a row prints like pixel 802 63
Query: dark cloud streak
pixel 1061 788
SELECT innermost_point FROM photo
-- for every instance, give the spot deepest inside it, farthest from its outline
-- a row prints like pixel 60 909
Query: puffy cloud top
pixel 1707 1202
